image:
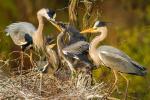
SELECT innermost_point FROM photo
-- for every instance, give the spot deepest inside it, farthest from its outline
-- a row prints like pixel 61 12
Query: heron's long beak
pixel 55 24
pixel 89 30
pixel 51 46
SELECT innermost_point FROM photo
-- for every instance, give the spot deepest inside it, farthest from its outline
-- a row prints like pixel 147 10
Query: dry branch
pixel 73 12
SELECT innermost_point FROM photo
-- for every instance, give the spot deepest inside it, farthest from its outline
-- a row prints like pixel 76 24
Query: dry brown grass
pixel 52 88
pixel 30 85
pixel 35 85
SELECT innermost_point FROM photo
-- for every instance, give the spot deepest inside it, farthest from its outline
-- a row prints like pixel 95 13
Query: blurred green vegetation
pixel 129 31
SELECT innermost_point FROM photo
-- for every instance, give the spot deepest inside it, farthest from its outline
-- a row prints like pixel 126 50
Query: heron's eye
pixel 97 23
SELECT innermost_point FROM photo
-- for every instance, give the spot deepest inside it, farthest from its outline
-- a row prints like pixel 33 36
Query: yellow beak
pixel 55 24
pixel 89 30
pixel 51 46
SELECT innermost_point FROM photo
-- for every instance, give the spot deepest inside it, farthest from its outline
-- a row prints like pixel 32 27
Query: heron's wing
pixel 117 60
pixel 77 49
pixel 18 31
pixel 114 51
pixel 74 34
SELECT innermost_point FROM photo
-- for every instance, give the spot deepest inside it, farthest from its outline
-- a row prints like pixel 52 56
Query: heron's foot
pixel 40 69
pixel 111 90
pixel 108 93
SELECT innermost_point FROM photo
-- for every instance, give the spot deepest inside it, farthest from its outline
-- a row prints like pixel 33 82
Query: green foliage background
pixel 129 31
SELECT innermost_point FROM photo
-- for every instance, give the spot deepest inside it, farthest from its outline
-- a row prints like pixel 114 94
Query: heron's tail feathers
pixel 141 70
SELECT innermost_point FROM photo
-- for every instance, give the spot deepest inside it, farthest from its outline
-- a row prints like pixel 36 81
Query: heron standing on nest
pixel 25 34
pixel 112 57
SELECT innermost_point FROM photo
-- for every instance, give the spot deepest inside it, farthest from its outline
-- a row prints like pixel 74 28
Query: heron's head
pixel 50 15
pixel 98 26
pixel 47 13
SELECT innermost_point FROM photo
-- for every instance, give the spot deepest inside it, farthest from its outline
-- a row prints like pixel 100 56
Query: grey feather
pixel 118 60
pixel 79 51
pixel 18 30
pixel 113 50
pixel 76 48
pixel 73 33
pixel 75 36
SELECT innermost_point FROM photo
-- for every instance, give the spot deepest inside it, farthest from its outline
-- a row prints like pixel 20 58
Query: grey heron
pixel 77 47
pixel 112 57
pixel 24 34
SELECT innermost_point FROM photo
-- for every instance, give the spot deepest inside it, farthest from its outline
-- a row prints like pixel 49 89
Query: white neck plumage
pixel 38 39
pixel 94 43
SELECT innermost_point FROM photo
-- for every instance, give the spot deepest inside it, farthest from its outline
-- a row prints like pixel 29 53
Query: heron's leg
pixel 127 83
pixel 21 67
pixel 40 88
pixel 71 67
pixel 73 71
pixel 110 91
pixel 21 54
pixel 31 58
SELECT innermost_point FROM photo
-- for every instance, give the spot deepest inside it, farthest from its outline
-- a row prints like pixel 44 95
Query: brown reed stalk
pixel 73 20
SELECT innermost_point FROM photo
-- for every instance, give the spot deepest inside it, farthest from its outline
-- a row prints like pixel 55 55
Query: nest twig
pixel 51 88
pixel 58 87
pixel 73 12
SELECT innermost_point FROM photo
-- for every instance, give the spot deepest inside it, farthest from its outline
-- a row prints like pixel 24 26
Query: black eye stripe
pixel 50 13
pixel 100 24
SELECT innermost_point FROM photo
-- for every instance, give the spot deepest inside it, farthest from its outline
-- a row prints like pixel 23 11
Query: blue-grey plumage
pixel 110 56
pixel 24 33
pixel 79 51
pixel 60 46
pixel 77 44
pixel 21 33
pixel 119 61
pixel 74 34
pixel 76 48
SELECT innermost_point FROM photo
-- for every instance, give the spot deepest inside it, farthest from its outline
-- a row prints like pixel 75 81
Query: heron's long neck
pixel 38 36
pixel 41 25
pixel 94 44
pixel 59 43
pixel 60 46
